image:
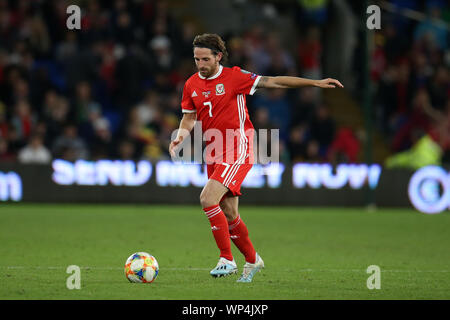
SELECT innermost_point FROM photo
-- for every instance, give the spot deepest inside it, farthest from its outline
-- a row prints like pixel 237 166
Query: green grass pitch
pixel 310 253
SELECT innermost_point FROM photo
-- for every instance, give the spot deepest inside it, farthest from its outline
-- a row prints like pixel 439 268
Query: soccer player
pixel 216 97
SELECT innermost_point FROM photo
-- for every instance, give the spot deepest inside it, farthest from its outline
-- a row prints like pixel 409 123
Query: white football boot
pixel 250 269
pixel 224 268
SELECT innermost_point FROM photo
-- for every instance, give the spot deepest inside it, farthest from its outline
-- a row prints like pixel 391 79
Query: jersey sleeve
pixel 245 82
pixel 187 105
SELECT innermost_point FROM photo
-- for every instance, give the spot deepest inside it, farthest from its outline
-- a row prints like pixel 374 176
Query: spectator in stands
pixel 313 12
pixel 435 33
pixel 145 137
pixel 160 47
pixel 417 119
pixel 84 103
pixel 23 120
pixel 344 148
pixel 276 102
pixel 171 104
pixel 5 154
pixel 261 119
pixel 439 88
pixel 35 32
pixel 322 128
pixel 281 60
pixel 100 145
pixel 67 48
pixel 21 91
pixel 238 51
pixel 107 68
pixel 15 142
pixel 184 45
pixel 35 152
pixel 147 109
pixel 95 119
pixel 126 150
pixel 378 58
pixel 422 71
pixel 313 151
pixel 297 144
pixel 440 127
pixel 96 132
pixel 123 28
pixel 4 124
pixel 272 58
pixel 424 152
pixel 170 123
pixel 55 114
pixel 304 105
pixel 69 145
pixel 310 54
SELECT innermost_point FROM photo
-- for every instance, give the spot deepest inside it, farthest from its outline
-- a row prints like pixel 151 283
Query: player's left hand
pixel 173 146
pixel 329 83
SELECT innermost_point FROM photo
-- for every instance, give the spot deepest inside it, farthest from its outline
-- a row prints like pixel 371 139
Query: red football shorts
pixel 230 175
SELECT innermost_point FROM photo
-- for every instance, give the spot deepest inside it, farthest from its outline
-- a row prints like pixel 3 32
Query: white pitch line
pixel 205 269
pixel 91 268
pixel 364 270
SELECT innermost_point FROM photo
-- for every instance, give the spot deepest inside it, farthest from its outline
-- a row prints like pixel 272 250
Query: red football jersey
pixel 220 104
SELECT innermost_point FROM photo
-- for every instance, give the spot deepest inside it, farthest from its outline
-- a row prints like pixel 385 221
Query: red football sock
pixel 219 228
pixel 239 236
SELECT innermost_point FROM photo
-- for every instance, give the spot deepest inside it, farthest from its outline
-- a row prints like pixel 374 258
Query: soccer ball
pixel 141 267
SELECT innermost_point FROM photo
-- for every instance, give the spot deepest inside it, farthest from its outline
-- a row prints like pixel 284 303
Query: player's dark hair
pixel 211 41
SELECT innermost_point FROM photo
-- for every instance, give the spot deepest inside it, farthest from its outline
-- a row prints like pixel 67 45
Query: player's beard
pixel 208 72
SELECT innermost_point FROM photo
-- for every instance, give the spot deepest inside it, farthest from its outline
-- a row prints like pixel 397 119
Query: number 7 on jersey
pixel 208 103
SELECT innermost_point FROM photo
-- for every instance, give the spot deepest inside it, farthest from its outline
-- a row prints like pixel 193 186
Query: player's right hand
pixel 173 145
pixel 329 83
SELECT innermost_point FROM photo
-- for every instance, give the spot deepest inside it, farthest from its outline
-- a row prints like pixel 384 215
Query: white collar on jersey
pixel 214 76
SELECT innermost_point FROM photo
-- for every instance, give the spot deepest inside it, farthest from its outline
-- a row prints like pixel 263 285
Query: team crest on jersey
pixel 220 89
pixel 206 93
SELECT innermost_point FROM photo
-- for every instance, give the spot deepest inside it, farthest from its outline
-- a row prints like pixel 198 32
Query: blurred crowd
pixel 410 71
pixel 113 89
pixel 109 90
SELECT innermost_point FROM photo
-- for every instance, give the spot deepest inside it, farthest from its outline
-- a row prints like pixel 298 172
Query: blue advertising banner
pixel 307 184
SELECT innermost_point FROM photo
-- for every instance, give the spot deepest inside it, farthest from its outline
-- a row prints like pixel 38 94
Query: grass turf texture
pixel 309 253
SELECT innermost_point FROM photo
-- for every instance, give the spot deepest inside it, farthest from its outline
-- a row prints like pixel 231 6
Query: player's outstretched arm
pixel 296 82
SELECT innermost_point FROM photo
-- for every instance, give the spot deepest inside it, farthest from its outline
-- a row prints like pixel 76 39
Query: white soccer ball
pixel 141 267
